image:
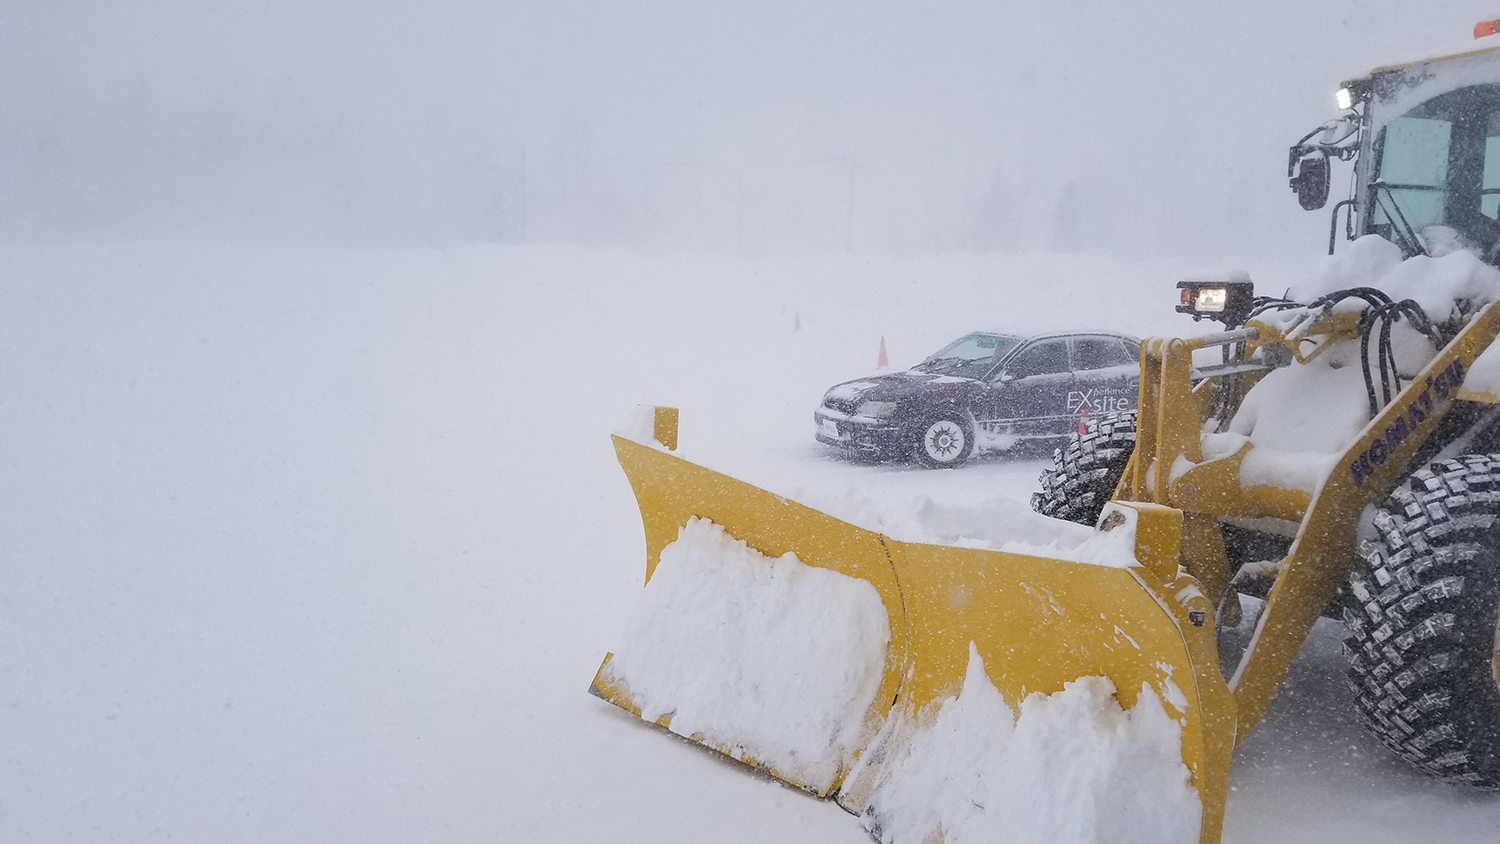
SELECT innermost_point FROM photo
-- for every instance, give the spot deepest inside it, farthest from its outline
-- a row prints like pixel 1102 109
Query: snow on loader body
pixel 852 664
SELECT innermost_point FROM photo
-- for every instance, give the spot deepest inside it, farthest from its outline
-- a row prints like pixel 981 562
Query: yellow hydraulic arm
pixel 1168 468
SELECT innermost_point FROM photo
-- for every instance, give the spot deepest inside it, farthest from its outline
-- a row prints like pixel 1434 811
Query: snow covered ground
pixel 320 545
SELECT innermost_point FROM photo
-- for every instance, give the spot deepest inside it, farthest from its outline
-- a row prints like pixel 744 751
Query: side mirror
pixel 1311 181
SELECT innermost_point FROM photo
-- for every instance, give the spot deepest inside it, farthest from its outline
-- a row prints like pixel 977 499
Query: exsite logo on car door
pixel 1096 401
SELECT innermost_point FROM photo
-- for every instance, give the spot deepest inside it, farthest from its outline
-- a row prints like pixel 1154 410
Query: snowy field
pixel 314 545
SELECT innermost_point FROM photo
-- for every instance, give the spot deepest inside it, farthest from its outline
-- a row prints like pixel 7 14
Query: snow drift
pixel 1071 768
pixel 775 658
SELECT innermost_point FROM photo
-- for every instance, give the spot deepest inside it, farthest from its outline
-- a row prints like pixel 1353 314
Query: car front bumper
pixel 881 438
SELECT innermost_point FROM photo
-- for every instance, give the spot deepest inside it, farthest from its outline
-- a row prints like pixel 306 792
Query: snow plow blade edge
pixel 1037 624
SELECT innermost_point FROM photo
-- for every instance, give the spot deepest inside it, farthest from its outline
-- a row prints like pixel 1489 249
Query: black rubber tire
pixel 1084 472
pixel 1425 604
pixel 944 441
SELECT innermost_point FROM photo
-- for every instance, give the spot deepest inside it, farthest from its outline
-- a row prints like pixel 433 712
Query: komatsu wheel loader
pixel 1334 451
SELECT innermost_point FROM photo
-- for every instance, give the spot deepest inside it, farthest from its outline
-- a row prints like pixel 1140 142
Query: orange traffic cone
pixel 1083 417
pixel 882 363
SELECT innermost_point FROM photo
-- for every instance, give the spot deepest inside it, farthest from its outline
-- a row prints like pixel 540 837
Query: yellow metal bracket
pixel 1167 423
pixel 664 426
pixel 1215 487
pixel 1325 329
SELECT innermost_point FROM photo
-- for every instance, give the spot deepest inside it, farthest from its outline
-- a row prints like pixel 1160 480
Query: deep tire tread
pixel 1084 472
pixel 1421 631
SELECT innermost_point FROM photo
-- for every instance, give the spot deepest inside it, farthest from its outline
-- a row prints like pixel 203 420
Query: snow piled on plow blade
pixel 763 639
pixel 769 659
pixel 1072 768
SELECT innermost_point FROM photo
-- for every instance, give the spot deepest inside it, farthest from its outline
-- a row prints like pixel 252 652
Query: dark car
pixel 982 391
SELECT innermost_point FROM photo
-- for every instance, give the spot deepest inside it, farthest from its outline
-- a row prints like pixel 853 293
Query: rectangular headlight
pixel 1212 299
pixel 877 409
pixel 1229 298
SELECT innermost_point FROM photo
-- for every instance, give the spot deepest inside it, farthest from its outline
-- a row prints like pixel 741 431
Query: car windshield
pixel 969 357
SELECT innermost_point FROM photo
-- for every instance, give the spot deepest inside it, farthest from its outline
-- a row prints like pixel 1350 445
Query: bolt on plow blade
pixel 943 693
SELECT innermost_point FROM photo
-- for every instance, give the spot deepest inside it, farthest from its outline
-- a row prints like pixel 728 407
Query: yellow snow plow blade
pixel 1037 623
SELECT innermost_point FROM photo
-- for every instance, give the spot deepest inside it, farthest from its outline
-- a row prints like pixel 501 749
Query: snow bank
pixel 771 657
pixel 1073 768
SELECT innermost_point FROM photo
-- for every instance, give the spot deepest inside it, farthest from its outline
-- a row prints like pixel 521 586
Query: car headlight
pixel 877 409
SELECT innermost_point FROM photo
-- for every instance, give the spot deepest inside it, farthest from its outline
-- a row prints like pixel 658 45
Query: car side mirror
pixel 1311 181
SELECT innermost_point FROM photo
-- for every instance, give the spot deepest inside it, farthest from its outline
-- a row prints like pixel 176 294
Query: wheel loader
pixel 1333 451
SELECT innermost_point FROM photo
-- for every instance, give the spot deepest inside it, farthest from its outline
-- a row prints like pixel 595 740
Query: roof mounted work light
pixel 1351 93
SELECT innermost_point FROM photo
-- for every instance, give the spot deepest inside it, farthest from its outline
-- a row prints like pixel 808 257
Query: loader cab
pixel 1424 139
pixel 1436 174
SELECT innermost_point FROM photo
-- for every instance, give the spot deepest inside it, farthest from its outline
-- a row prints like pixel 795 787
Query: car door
pixel 1106 376
pixel 1029 393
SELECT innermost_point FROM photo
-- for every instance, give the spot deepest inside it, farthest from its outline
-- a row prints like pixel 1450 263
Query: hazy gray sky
pixel 1089 126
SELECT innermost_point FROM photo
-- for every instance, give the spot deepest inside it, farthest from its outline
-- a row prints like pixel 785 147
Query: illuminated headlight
pixel 1211 299
pixel 1226 300
pixel 877 409
pixel 1345 98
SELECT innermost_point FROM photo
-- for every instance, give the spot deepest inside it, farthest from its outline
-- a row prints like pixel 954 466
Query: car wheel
pixel 944 442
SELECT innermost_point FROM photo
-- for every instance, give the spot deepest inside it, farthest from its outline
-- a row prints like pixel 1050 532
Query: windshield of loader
pixel 1439 165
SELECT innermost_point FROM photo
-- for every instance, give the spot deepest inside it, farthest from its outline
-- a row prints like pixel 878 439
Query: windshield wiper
pixel 1412 241
pixel 942 363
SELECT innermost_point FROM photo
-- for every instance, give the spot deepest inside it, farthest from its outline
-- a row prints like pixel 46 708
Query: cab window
pixel 1489 189
pixel 1414 166
pixel 1439 164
